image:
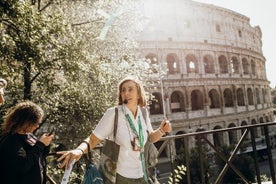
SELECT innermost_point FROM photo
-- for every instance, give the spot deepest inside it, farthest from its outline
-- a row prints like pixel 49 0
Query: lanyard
pixel 140 135
pixel 141 142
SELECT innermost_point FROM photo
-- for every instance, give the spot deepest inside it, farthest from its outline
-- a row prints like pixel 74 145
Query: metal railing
pixel 201 137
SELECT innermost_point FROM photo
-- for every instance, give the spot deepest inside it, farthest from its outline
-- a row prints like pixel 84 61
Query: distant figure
pixel 3 85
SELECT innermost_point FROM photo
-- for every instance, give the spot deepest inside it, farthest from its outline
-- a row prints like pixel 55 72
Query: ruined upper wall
pixel 190 21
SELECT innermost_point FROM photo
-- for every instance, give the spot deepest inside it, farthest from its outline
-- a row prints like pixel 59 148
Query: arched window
pixel 177 102
pixel 156 106
pixel 180 144
pixel 218 137
pixel 245 66
pixel 235 65
pixel 197 100
pixel 173 64
pixel 264 95
pixel 250 96
pixel 223 66
pixel 232 135
pixel 258 96
pixel 244 123
pixel 214 99
pixel 240 97
pixel 254 122
pixel 253 67
pixel 152 60
pixel 191 63
pixel 228 98
pixel 208 64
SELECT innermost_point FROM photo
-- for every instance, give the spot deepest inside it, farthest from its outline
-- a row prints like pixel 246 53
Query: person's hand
pixel 1 98
pixel 68 156
pixel 165 126
pixel 46 139
pixel 3 84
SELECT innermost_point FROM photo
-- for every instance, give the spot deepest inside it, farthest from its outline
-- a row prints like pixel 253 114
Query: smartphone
pixel 52 131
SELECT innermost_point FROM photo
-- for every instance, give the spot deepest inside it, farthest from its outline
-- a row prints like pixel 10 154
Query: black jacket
pixel 21 161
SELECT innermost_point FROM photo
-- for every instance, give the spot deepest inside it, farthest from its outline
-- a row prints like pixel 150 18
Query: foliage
pixel 195 168
pixel 177 175
pixel 68 57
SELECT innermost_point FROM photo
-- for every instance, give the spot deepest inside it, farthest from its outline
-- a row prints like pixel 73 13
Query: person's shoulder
pixel 119 107
pixel 9 139
pixel 111 110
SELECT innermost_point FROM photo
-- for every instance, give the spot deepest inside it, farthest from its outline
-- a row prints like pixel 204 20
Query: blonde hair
pixel 140 89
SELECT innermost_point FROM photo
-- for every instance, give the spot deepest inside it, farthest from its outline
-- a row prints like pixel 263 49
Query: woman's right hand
pixel 68 156
pixel 46 139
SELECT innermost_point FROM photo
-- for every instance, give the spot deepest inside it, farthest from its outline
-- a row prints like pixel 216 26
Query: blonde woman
pixel 132 133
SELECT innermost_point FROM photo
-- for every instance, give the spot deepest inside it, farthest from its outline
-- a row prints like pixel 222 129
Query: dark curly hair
pixel 19 115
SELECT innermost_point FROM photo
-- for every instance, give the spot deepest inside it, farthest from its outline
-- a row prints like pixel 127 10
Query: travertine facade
pixel 215 69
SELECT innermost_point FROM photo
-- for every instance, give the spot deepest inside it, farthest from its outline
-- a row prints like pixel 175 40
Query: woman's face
pixel 30 127
pixel 130 92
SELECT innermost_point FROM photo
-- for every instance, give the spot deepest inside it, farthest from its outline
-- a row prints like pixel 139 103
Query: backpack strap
pixel 115 123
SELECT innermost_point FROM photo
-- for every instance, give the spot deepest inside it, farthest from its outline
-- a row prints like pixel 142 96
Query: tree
pixel 52 54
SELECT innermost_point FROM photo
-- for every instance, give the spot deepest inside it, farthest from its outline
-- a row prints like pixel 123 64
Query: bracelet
pixel 161 131
pixel 81 150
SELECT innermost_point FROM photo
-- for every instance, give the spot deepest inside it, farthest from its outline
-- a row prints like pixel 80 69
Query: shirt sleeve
pixel 106 124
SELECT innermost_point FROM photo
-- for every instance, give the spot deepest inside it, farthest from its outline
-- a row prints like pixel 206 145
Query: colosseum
pixel 214 69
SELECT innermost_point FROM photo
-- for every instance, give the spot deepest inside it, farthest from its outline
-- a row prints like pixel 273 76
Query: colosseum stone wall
pixel 214 68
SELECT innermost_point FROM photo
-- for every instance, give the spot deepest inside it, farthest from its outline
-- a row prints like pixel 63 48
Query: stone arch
pixel 197 100
pixel 218 137
pixel 264 95
pixel 254 122
pixel 208 62
pixel 235 65
pixel 180 143
pixel 191 63
pixel 232 134
pixel 240 97
pixel 244 123
pixel 245 66
pixel 223 65
pixel 228 98
pixel 250 96
pixel 253 67
pixel 156 104
pixel 152 60
pixel 262 128
pixel 258 95
pixel 173 64
pixel 214 99
pixel 177 102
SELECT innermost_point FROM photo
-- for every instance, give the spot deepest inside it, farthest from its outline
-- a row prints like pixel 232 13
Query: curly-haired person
pixel 22 154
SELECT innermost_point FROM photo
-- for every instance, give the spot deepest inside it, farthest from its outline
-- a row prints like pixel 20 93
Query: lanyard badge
pixel 135 144
pixel 138 140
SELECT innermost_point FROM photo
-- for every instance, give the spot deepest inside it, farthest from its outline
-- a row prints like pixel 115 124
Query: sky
pixel 261 13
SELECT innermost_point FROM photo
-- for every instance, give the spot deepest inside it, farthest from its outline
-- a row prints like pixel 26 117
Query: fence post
pixel 268 147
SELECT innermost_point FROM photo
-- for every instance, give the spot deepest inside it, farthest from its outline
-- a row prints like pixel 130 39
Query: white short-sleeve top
pixel 129 163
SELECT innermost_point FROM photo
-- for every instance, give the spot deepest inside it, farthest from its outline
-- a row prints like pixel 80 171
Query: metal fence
pixel 201 138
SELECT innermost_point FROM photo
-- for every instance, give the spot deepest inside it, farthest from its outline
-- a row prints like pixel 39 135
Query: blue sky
pixel 262 13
